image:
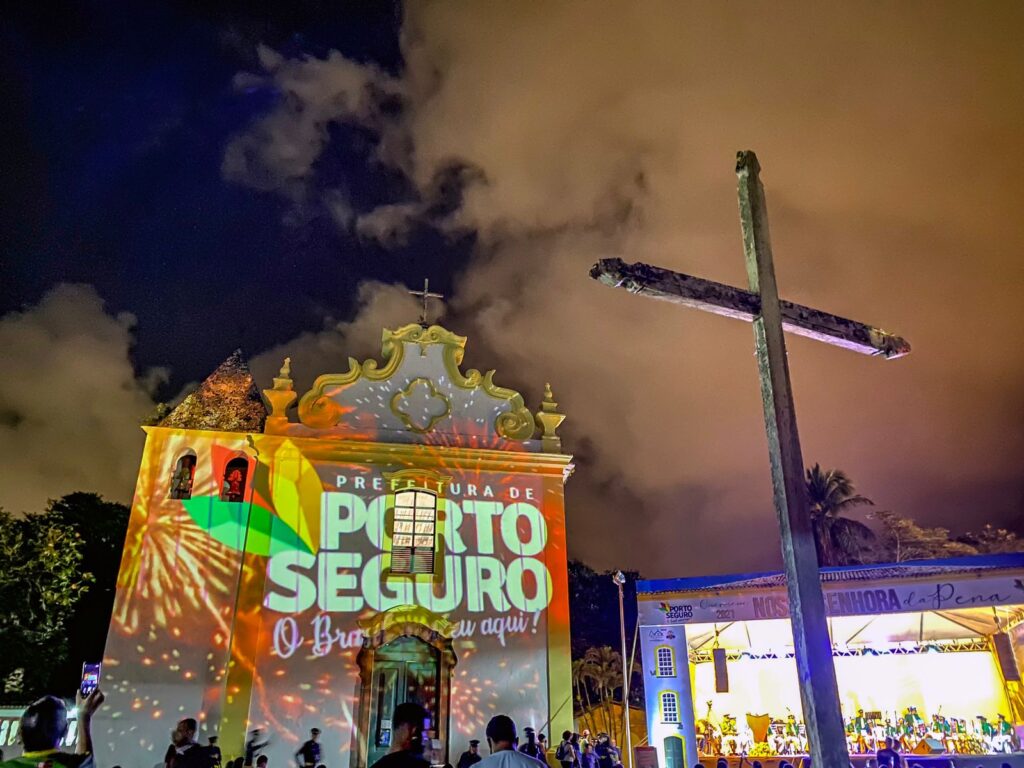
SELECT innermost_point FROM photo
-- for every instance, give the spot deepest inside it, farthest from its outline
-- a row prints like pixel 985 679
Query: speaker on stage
pixel 1004 652
pixel 928 747
pixel 721 670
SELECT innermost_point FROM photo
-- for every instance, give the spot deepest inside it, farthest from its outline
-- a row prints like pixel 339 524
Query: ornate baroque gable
pixel 418 395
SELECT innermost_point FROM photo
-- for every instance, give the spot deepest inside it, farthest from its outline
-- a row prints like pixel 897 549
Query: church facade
pixel 402 539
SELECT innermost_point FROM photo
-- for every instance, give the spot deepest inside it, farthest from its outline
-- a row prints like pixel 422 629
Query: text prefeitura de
pixel 447 488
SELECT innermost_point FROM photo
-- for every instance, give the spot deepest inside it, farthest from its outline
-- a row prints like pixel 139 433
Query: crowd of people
pixel 44 727
pixel 581 751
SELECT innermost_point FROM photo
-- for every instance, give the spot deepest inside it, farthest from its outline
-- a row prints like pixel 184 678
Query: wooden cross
pixel 771 317
pixel 425 294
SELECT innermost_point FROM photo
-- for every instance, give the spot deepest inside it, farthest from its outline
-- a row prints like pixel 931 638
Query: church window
pixel 183 475
pixel 232 487
pixel 669 707
pixel 665 661
pixel 414 538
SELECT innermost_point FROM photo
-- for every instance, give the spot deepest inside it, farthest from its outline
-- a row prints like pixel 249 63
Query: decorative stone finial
pixel 548 420
pixel 279 398
pixel 283 380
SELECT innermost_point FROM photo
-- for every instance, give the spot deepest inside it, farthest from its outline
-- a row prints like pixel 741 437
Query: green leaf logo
pixel 244 526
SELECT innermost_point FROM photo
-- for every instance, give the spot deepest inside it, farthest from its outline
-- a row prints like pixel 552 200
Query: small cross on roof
pixel 426 295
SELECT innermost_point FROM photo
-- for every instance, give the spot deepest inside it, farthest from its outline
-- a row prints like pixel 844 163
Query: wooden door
pixel 406 669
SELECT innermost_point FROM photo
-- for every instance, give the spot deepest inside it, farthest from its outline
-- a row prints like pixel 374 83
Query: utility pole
pixel 620 581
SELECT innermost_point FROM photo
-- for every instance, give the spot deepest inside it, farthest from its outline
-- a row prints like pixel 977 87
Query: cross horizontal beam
pixel 721 299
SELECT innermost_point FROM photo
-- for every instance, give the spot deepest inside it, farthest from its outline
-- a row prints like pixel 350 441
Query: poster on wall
pixel 645 757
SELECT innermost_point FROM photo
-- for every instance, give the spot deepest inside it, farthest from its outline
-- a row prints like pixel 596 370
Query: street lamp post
pixel 620 580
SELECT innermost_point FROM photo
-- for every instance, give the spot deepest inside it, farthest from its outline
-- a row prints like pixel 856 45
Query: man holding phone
pixel 44 725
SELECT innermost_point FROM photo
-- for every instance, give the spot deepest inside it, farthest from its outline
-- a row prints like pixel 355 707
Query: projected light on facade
pixel 404 539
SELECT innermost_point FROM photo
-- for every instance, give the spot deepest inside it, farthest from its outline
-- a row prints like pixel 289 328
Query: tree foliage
pixel 605 672
pixel 838 539
pixel 991 540
pixel 902 539
pixel 594 608
pixel 40 583
pixel 102 526
pixel 843 541
pixel 57 588
pixel 595 678
pixel 597 665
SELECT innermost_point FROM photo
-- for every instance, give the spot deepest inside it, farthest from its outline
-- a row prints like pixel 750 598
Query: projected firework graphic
pixel 403 540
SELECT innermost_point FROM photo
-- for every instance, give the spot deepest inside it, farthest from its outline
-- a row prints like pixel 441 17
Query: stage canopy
pixel 913 602
pixel 903 634
pixel 878 631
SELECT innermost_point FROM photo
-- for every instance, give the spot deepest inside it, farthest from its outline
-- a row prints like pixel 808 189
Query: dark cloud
pixel 70 402
pixel 279 151
pixel 889 136
pixel 379 306
pixel 554 135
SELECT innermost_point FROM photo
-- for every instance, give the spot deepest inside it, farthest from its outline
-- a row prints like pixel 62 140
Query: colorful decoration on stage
pixel 263 568
pixel 866 733
pixel 764 736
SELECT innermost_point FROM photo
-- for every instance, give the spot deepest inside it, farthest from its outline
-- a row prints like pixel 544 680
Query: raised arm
pixel 86 709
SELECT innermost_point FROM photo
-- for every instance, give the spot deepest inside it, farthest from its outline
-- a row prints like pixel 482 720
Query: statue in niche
pixel 233 486
pixel 181 480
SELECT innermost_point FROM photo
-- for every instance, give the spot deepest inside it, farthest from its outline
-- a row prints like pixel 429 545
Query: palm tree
pixel 606 672
pixel 581 676
pixel 839 540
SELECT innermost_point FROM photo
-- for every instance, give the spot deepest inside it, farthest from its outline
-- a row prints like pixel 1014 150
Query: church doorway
pixel 406 656
pixel 406 669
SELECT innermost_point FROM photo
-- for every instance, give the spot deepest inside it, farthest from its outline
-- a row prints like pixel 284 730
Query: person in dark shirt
pixel 308 755
pixel 252 746
pixel 605 756
pixel 615 752
pixel 185 751
pixel 44 726
pixel 471 756
pixel 213 753
pixel 889 756
pixel 406 738
pixel 531 748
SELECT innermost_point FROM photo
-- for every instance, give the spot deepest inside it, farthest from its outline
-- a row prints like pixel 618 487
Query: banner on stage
pixel 840 600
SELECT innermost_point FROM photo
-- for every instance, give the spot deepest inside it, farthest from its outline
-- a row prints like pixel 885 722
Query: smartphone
pixel 90 678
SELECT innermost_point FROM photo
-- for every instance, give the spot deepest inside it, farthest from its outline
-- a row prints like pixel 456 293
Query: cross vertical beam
pixel 425 295
pixel 819 692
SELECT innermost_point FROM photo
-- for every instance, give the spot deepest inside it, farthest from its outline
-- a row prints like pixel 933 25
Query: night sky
pixel 179 181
